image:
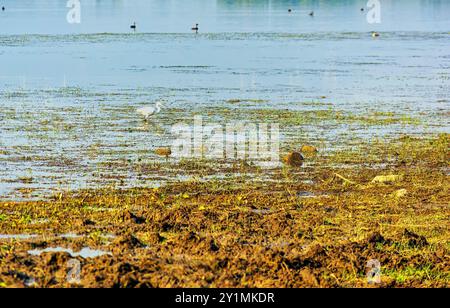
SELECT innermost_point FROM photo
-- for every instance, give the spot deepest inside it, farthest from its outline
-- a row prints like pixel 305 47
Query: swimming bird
pixel 311 13
pixel 375 34
pixel 195 28
pixel 133 26
pixel 149 111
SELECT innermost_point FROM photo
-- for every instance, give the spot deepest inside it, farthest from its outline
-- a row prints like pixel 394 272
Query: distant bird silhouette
pixel 133 26
pixel 195 28
pixel 3 8
pixel 290 10
pixel 149 111
pixel 375 34
pixel 311 13
pixel 362 9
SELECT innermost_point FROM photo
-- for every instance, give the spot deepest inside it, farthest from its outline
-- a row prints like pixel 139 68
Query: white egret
pixel 149 111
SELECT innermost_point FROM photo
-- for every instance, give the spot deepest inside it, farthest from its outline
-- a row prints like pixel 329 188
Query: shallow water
pixel 26 237
pixel 17 236
pixel 68 92
pixel 85 252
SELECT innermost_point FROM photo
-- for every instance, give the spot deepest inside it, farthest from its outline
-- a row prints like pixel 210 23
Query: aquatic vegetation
pixel 364 136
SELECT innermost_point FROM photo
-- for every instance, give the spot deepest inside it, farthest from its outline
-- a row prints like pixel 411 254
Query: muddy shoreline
pixel 315 225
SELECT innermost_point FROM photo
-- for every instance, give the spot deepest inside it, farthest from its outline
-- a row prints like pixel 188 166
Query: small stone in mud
pixel 308 149
pixel 163 152
pixel 294 159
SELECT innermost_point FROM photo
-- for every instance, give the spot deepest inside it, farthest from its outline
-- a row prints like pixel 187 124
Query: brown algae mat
pixel 313 226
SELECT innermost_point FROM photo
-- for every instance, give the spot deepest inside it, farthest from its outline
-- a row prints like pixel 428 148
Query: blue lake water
pixel 177 16
pixel 255 45
pixel 244 49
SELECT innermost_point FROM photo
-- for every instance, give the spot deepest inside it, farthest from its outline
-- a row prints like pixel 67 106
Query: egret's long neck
pixel 158 107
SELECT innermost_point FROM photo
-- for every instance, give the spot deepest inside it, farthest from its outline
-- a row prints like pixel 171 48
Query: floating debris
pixel 387 179
pixel 163 152
pixel 308 149
pixel 294 159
